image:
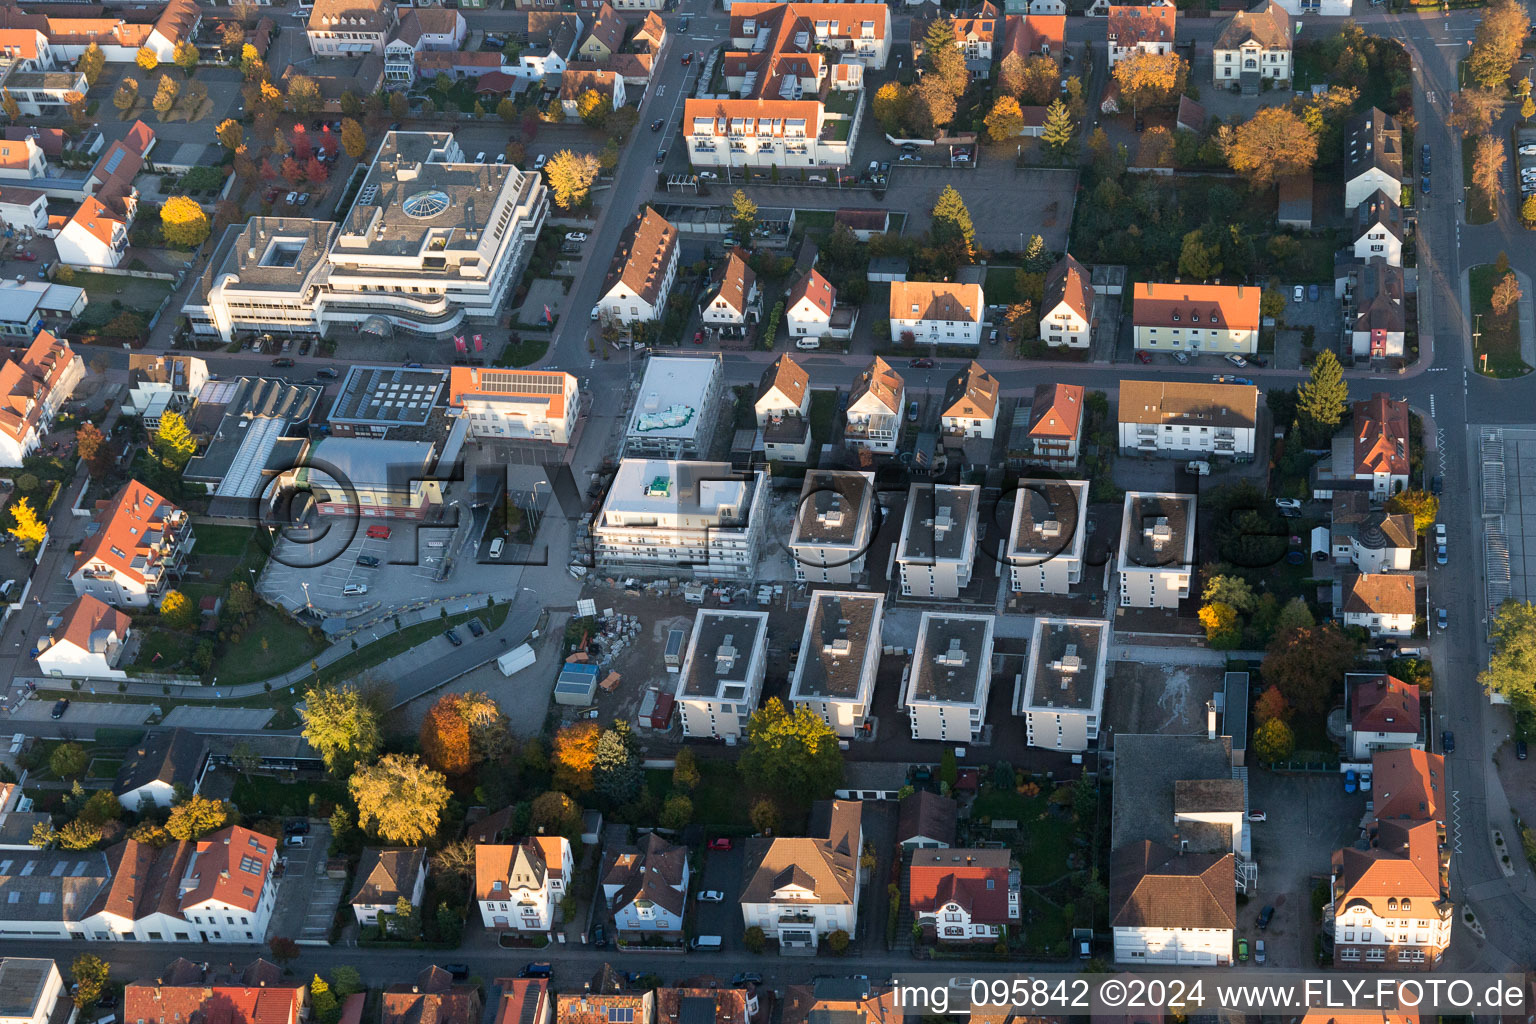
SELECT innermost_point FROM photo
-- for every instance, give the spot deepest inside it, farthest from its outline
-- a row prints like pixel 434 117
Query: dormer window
pixel 1175 318
pixel 1194 318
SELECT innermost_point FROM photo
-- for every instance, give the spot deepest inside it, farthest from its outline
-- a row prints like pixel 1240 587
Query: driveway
pixel 723 871
pixel 306 899
pixel 82 718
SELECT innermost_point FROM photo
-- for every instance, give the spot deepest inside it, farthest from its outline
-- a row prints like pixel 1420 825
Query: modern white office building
pixel 1062 694
pixel 676 518
pixel 950 677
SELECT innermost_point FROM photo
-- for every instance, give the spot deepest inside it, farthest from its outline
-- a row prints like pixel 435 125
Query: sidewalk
pixel 1527 318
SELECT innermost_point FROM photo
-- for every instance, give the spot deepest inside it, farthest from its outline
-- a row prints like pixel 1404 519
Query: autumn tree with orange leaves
pixel 575 754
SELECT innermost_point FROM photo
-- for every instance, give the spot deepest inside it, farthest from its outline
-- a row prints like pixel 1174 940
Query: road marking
pixel 1431 406
pixel 1456 819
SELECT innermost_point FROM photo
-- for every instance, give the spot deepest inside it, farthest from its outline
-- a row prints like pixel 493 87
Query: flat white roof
pixel 672 396
pixel 678 487
pixel 952 661
pixel 1066 666
pixel 724 644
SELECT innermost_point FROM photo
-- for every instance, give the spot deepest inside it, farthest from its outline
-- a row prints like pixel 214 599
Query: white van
pixel 706 944
pixel 354 590
pixel 808 343
pixel 496 546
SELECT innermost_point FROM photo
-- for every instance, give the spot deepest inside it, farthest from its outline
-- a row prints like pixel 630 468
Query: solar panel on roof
pixel 530 1011
pixel 113 159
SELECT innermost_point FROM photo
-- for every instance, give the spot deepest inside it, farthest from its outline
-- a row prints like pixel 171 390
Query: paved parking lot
pixel 723 871
pixel 410 561
pixel 306 899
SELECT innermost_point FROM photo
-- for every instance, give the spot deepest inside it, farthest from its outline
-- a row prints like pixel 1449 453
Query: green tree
pixel 793 753
pixel 1295 615
pixel 677 812
pixel 952 221
pixel 1223 628
pixel 1273 741
pixel 1322 399
pixel 173 442
pixel 764 815
pixel 102 807
pixel 1511 671
pixel 68 760
pixel 837 942
pixel 241 601
pixel 91 63
pixel 176 610
pixel 196 817
pixel 90 976
pixel 322 1000
pixel 616 771
pixel 1036 258
pixel 1230 590
pixel 346 981
pixel 1198 260
pixel 1421 505
pixel 743 215
pixel 399 799
pixel 1308 665
pixel 556 813
pixel 685 772
pixel 1059 127
pixel 341 726
pixel 304 95
pixel 754 939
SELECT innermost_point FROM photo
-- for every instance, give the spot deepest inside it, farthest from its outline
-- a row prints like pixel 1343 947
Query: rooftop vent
pixel 954 657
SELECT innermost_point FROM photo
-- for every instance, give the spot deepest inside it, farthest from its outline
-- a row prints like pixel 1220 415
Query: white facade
pixel 1369 559
pixel 32 989
pixel 834 675
pixel 669 517
pixel 1368 182
pixel 1379 242
pixel 1047 537
pixel 1179 420
pixel 93 237
pixel 368 913
pixel 834 524
pixel 1200 947
pixel 950 677
pixel 873 417
pixel 1062 696
pixel 1325 8
pixel 938 539
pixel 519 405
pixel 517 903
pixel 26 210
pixel 936 313
pixel 1063 326
pixel 1399 624
pixel 1157 547
pixel 68 660
pixel 722 673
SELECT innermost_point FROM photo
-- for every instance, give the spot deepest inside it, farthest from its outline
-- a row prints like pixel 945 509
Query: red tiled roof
pixel 25 387
pixel 651 242
pixel 217 1004
pixel 231 868
pixel 1057 411
pixel 97 221
pixel 1230 306
pixel 1029 34
pixel 520 999
pixel 1380 593
pixel 1409 785
pixel 1383 703
pixel 131 525
pixel 936 300
pixel 576 81
pixel 1381 435
pixel 178 20
pixel 815 288
pixel 975 879
pixel 87 617
pixel 1131 25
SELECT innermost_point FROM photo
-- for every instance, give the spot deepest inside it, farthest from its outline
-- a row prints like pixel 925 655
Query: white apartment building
pixel 663 517
pixel 873 418
pixel 519 886
pixel 1157 549
pixel 1182 421
pixel 516 405
pixel 834 526
pixel 938 539
pixel 32 391
pixel 1047 537
pixel 1146 29
pixel 643 271
pixel 839 655
pixel 950 677
pixel 1066 315
pixel 1195 318
pixel 432 243
pixel 721 677
pixel 675 408
pixel 141 545
pixel 23 209
pixel 351 28
pixel 936 313
pixel 1062 694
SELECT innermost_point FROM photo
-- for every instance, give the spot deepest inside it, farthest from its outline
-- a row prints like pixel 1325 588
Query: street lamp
pixel 307 603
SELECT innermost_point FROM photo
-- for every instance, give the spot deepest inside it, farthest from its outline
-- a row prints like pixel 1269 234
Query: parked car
pixel 721 843
pixel 59 708
pixel 1264 917
pixel 1424 185
pixel 1236 360
pixel 1365 782
pixel 1181 358
pixel 496 547
pixel 1520 750
pixel 599 937
pixel 1294 503
pixel 453 638
pixel 303 198
pixel 1296 293
pixel 1351 781
pixel 1448 742
pixel 1242 950
pixel 661 156
pixel 378 532
pixel 921 363
pixel 327 373
pixel 298 827
pixel 540 160
pixel 535 970
pixel 354 590
pixel 368 561
pixel 1441 555
pixel 1424 157
pixel 912 412
pixel 460 972
pixel 1142 357
pixel 1312 293
pixel 1440 618
pixel 1436 484
pixel 746 978
pixel 294 841
pixel 282 363
pixel 1258 951
pixel 711 896
pixel 1258 816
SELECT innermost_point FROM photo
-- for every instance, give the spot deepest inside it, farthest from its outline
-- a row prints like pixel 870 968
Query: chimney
pixel 1210 720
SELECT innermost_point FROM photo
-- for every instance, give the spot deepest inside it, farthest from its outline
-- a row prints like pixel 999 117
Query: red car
pixel 687 59
pixel 698 337
pixel 30 257
pixel 1142 357
pixel 720 844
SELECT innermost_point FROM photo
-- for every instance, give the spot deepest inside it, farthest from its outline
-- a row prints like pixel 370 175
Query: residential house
pixel 606 36
pixel 707 1005
pixel 1370 538
pixel 643 271
pixel 88 643
pixel 969 408
pixel 22 159
pixel 606 1003
pixel 976 35
pixel 23 209
pixel 553 38
pixel 518 887
pixel 1383 714
pixel 938 540
pixel 1196 318
pixel 1325 8
pixel 782 407
pixel 1378 229
pixel 964 895
pixel 808 311
pixel 186 991
pixel 1145 28
pixel 33 990
pixel 862 223
pixel 834 526
pixel 1048 536
pixel 384 877
pixel 951 676
pixel 1169 907
pixel 349 28
pixel 1295 193
pixel 1055 425
pixel 1254 45
pixel 735 300
pixel 721 676
pixel 1373 157
pixel 161 763
pixel 431 997
pixel 1062 696
pixel 44 93
pixel 926 820
pixel 1181 421
pixel 1380 445
pixel 651 36
pixel 874 409
pixel 524 1001
pixel 141 544
pixel 1157 549
pixel 576 82
pixel 1037 33
pixel 94 236
pixel 163 381
pixel 936 313
pixel 32 390
pixel 834 675
pixel 1382 603
pixel 799 890
pixel 1066 315
pixel 1191 117
pixel 520 405
pixel 662 516
pixel 853 1000
pixel 487 69
pixel 793 75
pixel 1380 326
pixel 646 889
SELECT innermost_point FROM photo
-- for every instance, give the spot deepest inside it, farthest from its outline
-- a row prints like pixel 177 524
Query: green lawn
pixel 823 415
pixel 1002 285
pixel 104 768
pixel 815 220
pixel 523 353
pixel 381 650
pixel 262 796
pixel 223 541
pixel 1480 210
pixel 842 102
pixel 1499 340
pixel 274 644
pixel 129 294
pixel 1044 837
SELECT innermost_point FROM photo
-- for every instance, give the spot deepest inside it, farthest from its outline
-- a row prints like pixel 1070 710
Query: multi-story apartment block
pixel 674 517
pixel 950 677
pixel 1062 696
pixel 1178 420
pixel 643 271
pixel 675 408
pixel 1157 549
pixel 516 405
pixel 874 409
pixel 1146 29
pixel 1066 315
pixel 938 539
pixel 140 546
pixel 722 674
pixel 839 655
pixel 1196 318
pixel 432 240
pixel 349 28
pixel 794 75
pixel 33 389
pixel 936 313
pixel 1055 427
pixel 1048 536
pixel 834 526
